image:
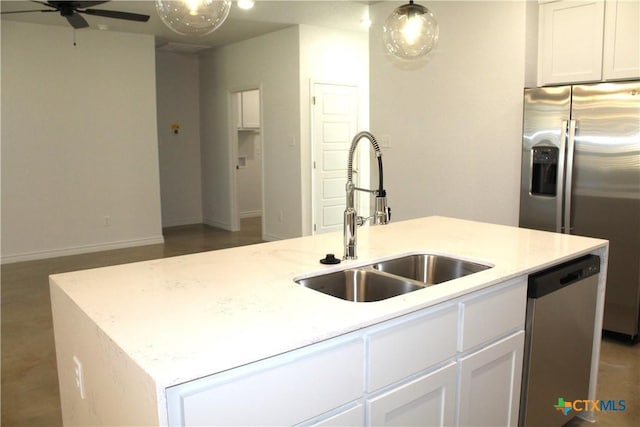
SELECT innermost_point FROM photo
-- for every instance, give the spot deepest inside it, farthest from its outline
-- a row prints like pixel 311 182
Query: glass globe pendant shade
pixel 193 17
pixel 410 32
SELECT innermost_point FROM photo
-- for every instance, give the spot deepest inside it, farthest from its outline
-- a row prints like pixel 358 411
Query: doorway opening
pixel 247 159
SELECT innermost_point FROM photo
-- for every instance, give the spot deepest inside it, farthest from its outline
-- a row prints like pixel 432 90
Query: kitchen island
pixel 165 341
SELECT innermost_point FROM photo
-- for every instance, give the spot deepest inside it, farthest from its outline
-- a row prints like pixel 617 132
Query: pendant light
pixel 193 17
pixel 410 32
pixel 246 4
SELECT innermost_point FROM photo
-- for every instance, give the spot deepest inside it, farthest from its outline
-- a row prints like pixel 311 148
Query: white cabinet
pixel 491 314
pixel 249 109
pixel 406 371
pixel 425 401
pixel 621 40
pixel 411 344
pixel 282 390
pixel 588 40
pixel 570 41
pixel 490 375
pixel 407 355
pixel 352 416
pixel 491 345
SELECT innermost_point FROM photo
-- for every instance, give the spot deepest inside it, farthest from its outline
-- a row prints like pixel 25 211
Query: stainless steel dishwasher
pixel 560 321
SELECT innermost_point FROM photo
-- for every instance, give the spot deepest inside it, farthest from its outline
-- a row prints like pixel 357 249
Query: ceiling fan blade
pixel 72 4
pixel 116 15
pixel 77 21
pixel 86 4
pixel 25 11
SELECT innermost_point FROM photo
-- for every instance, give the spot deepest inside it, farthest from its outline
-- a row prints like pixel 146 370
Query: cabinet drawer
pixel 428 400
pixel 282 390
pixel 410 345
pixel 493 314
pixel 353 417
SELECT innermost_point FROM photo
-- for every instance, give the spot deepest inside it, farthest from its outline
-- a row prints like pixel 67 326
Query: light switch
pixel 384 141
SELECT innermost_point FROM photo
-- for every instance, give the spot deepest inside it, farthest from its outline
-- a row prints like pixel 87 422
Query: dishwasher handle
pixel 563 275
pixel 571 277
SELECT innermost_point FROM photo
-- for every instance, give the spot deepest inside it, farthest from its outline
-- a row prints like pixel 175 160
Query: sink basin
pixel 387 279
pixel 360 285
pixel 428 268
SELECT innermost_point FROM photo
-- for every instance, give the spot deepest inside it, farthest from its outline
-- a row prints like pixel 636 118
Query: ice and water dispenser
pixel 544 171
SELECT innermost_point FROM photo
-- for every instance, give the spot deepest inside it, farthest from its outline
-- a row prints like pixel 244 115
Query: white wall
pixel 180 172
pixel 269 62
pixel 531 45
pixel 79 141
pixel 283 64
pixel 454 123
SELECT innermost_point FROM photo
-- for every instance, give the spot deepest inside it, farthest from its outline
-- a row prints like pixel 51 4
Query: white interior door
pixel 335 122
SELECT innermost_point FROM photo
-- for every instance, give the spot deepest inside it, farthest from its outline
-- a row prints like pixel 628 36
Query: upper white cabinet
pixel 621 57
pixel 249 109
pixel 570 41
pixel 593 40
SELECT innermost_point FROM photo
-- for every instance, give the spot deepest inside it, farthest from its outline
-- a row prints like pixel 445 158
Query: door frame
pixel 234 108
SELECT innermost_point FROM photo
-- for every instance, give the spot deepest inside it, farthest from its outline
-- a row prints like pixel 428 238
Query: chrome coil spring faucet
pixel 382 214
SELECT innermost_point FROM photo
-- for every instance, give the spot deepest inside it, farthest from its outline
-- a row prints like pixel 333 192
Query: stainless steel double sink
pixel 390 278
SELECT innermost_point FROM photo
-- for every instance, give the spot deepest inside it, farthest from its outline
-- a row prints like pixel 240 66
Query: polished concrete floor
pixel 30 397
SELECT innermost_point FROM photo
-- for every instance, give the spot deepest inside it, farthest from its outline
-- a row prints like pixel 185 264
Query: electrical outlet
pixel 78 376
pixel 107 220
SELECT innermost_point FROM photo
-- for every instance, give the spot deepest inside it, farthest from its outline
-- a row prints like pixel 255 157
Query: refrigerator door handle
pixel 560 176
pixel 569 177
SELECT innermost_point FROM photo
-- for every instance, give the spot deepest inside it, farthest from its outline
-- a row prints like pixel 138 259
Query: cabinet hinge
pixel 314 227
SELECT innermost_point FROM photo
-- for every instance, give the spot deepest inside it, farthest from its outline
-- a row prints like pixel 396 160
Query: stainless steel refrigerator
pixel 581 175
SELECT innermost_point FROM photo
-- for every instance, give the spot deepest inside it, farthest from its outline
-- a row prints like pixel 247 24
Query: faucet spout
pixel 382 214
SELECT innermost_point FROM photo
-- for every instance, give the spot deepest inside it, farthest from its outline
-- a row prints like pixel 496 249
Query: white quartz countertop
pixel 190 316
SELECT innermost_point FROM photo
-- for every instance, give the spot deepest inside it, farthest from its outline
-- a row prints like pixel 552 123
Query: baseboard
pixel 217 224
pixel 176 222
pixel 76 250
pixel 271 238
pixel 250 214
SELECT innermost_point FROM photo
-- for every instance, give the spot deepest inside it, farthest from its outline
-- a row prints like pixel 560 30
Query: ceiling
pixel 266 16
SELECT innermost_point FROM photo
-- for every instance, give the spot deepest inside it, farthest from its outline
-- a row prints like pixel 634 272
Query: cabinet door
pixel 251 109
pixel 570 41
pixel 490 382
pixel 426 401
pixel 621 40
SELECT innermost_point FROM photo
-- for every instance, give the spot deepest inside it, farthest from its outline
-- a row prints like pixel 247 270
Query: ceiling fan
pixel 72 11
